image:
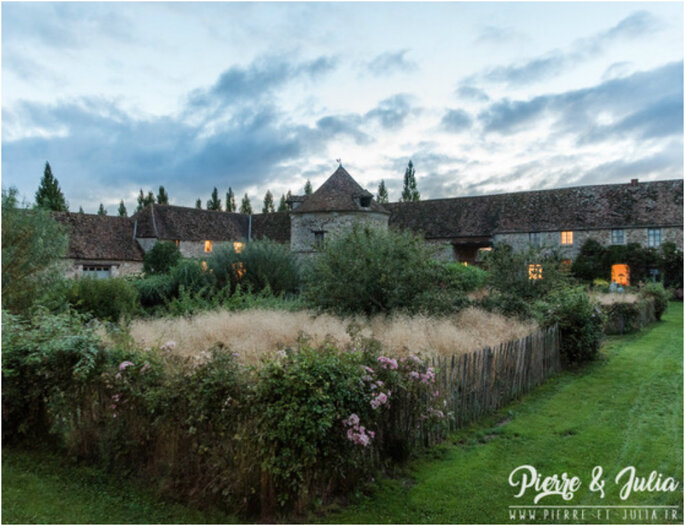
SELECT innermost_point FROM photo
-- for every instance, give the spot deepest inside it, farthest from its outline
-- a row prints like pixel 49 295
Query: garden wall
pixel 625 317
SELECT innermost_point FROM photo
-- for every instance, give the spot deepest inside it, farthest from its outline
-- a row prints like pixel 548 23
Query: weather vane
pixel 339 161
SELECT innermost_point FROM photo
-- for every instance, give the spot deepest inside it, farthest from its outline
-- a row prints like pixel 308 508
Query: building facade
pixel 460 228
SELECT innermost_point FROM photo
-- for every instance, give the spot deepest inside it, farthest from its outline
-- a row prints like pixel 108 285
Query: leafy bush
pixel 106 299
pixel 467 279
pixel 155 290
pixel 32 243
pixel 366 270
pixel 260 264
pixel 658 294
pixel 671 265
pixel 581 323
pixel 161 258
pixel 624 317
pixel 46 361
pixel 514 293
pixel 189 275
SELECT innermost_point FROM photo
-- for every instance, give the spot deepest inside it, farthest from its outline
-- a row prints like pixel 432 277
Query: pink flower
pixel 414 375
pixel 379 400
pixel 116 397
pixel 388 363
pixel 436 394
pixel 145 367
pixel 169 346
pixel 351 420
pixel 368 369
pixel 414 358
pixel 124 365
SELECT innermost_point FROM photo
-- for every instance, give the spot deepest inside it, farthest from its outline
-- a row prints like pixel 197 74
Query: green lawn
pixel 40 487
pixel 626 409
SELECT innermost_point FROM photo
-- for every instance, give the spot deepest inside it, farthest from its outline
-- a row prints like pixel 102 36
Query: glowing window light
pixel 208 246
pixel 534 271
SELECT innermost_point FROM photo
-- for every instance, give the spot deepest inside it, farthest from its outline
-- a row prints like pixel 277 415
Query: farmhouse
pixel 648 213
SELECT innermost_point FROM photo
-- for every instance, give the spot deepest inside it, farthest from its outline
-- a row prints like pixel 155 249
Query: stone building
pixel 648 213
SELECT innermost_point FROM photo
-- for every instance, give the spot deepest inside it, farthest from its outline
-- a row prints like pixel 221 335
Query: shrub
pixel 658 294
pixel 106 299
pixel 155 290
pixel 581 323
pixel 467 279
pixel 189 275
pixel 161 258
pixel 366 270
pixel 32 243
pixel 671 265
pixel 260 264
pixel 46 361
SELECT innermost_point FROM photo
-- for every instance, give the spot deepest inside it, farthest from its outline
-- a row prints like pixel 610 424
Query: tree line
pixel 49 196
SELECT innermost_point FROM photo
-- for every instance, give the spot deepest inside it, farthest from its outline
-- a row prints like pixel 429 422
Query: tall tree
pixel 80 210
pixel 282 205
pixel 214 202
pixel 150 199
pixel 308 188
pixel 144 200
pixel 409 191
pixel 102 211
pixel 162 196
pixel 198 203
pixel 268 203
pixel 382 196
pixel 122 209
pixel 245 206
pixel 49 195
pixel 230 200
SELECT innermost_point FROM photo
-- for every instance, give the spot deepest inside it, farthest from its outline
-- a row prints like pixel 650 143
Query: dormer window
pixel 365 201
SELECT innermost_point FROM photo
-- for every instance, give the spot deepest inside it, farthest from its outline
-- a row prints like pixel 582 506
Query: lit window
pixel 465 263
pixel 567 238
pixel 620 274
pixel 208 246
pixel 534 271
pixel 535 239
pixel 238 247
pixel 566 262
pixel 238 269
pixel 617 236
pixel 177 242
pixel 653 237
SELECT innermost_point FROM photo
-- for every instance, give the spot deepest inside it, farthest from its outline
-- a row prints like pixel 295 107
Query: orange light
pixel 204 265
pixel 238 247
pixel 208 246
pixel 620 274
pixel 239 269
pixel 534 271
pixel 567 238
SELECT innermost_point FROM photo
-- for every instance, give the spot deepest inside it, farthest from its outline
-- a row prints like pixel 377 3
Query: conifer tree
pixel 49 195
pixel 122 209
pixel 102 211
pixel 245 206
pixel 268 207
pixel 141 201
pixel 409 191
pixel 162 196
pixel 282 205
pixel 214 202
pixel 308 188
pixel 198 204
pixel 382 196
pixel 230 200
pixel 150 199
pixel 80 210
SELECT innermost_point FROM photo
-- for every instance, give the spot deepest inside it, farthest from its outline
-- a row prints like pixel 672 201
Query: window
pixel 238 247
pixel 177 242
pixel 535 239
pixel 318 238
pixel 617 236
pixel 566 263
pixel 365 201
pixel 208 246
pixel 535 271
pixel 653 237
pixel 97 271
pixel 567 238
pixel 620 274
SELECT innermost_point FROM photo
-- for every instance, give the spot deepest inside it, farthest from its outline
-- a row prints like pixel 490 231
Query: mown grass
pixel 41 487
pixel 624 410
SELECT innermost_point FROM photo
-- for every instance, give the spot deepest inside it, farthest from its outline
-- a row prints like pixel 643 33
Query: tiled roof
pixel 275 226
pixel 170 222
pixel 340 193
pixel 658 203
pixel 96 237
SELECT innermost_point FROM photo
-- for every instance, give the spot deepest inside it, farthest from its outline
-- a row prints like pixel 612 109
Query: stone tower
pixel 335 206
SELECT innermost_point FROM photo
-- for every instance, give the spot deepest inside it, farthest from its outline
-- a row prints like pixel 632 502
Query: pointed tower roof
pixel 340 193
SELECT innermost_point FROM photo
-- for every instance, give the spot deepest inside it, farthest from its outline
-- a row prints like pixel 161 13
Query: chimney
pixel 633 182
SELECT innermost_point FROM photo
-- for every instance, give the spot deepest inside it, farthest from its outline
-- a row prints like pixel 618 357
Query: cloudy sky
pixel 482 97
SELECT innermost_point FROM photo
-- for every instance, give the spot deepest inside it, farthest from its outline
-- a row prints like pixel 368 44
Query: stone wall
pixel 303 226
pixel 553 239
pixel 444 251
pixel 74 269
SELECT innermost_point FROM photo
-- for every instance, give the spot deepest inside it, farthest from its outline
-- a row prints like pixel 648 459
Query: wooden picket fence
pixel 480 382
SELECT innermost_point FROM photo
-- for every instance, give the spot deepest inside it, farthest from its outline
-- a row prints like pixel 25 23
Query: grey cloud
pixel 456 121
pixel 393 111
pixel 576 111
pixel 472 93
pixel 497 35
pixel 336 125
pixel 555 62
pixel 390 62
